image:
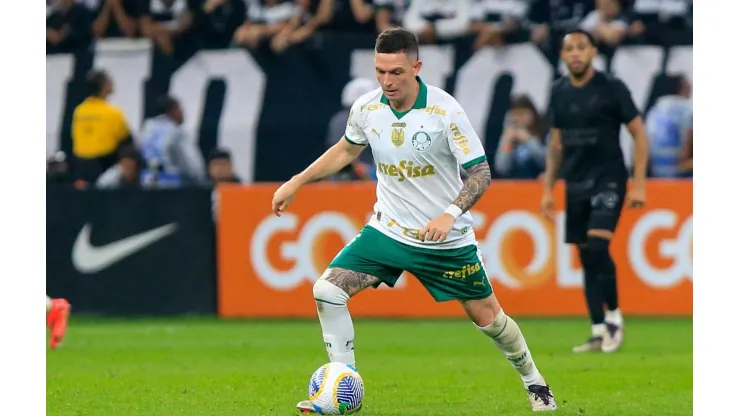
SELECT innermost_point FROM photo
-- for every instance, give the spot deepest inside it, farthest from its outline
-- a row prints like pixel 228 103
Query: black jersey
pixel 589 118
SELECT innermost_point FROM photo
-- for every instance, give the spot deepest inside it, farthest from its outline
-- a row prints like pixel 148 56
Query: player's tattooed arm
pixel 479 177
pixel 554 158
pixel 349 281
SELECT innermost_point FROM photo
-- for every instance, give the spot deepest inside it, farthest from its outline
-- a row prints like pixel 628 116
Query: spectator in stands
pixel 309 16
pixel 362 168
pixel 99 129
pixel 265 19
pixel 521 150
pixel 172 159
pixel 499 22
pixel 114 18
pixel 67 27
pixel 389 13
pixel 220 168
pixel 607 24
pixel 661 22
pixel 551 19
pixel 351 16
pixel 168 23
pixel 126 174
pixel 687 155
pixel 217 20
pixel 438 20
pixel 668 125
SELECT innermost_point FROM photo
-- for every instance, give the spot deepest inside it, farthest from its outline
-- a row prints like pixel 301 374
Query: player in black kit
pixel 587 109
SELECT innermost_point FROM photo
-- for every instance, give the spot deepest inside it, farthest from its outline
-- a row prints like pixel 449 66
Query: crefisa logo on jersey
pixel 421 141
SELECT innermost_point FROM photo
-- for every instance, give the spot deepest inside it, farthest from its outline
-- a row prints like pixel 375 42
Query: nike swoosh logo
pixel 89 259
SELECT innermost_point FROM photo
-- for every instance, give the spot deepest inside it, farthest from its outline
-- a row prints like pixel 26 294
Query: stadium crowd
pixel 180 27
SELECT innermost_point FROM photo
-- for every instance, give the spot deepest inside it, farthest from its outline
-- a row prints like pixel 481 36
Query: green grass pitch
pixel 201 366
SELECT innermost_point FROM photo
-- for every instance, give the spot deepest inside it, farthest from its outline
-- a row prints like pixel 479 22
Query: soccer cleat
pixel 56 320
pixel 593 344
pixel 305 407
pixel 613 341
pixel 541 398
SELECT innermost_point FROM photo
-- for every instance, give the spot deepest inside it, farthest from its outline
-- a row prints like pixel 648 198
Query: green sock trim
pixel 326 301
pixel 502 329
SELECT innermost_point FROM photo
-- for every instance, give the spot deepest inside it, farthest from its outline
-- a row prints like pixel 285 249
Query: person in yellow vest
pixel 99 129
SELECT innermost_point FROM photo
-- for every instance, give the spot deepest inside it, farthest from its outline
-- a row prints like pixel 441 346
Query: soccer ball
pixel 336 389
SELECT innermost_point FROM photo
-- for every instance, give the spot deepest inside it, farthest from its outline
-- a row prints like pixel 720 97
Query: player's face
pixel 577 53
pixel 396 74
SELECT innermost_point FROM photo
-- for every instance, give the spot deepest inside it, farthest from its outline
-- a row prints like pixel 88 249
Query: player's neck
pixel 579 82
pixel 408 102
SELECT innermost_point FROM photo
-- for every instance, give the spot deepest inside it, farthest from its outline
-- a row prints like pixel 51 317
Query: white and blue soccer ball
pixel 336 389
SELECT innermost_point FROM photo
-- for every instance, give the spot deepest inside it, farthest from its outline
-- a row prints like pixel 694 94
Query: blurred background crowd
pixel 107 152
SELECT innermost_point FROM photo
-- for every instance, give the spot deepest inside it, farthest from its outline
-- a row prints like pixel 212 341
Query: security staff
pixel 98 129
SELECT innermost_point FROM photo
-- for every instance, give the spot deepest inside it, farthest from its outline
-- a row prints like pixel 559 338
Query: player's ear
pixel 417 67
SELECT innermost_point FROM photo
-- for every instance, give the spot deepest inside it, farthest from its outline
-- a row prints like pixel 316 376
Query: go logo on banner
pixel 520 249
pixel 661 248
pixel 307 254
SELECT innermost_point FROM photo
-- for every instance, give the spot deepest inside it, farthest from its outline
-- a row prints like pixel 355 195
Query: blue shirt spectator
pixel 668 124
pixel 172 160
pixel 521 149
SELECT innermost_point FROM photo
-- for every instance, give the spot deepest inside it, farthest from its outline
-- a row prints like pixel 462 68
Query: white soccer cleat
pixel 541 398
pixel 306 407
pixel 614 338
pixel 593 344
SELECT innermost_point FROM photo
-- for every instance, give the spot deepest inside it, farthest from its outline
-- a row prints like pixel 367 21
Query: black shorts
pixel 594 208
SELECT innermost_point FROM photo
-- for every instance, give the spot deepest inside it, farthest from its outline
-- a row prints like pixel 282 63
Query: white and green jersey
pixel 418 154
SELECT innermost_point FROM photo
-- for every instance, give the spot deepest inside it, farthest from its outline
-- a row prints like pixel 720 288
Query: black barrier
pixel 131 252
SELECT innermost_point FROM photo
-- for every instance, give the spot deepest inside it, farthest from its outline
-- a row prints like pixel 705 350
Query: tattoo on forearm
pixel 349 281
pixel 479 177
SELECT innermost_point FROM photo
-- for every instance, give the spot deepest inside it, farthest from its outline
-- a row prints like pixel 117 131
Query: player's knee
pixel 597 246
pixel 328 293
pixel 600 258
pixel 497 327
pixel 505 332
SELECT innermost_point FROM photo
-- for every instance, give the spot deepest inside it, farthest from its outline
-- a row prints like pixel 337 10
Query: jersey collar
pixel 421 100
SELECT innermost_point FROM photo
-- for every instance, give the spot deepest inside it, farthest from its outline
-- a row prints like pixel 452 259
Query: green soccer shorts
pixel 451 274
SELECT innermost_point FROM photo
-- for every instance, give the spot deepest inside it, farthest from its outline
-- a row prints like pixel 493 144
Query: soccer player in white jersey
pixel 419 136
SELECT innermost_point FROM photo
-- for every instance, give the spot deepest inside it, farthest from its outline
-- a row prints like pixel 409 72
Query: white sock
pixel 614 317
pixel 598 330
pixel 336 323
pixel 48 304
pixel 507 336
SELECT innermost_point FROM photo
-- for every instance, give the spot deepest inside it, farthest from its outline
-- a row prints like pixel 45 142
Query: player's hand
pixel 284 196
pixel 636 197
pixel 438 228
pixel 548 205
